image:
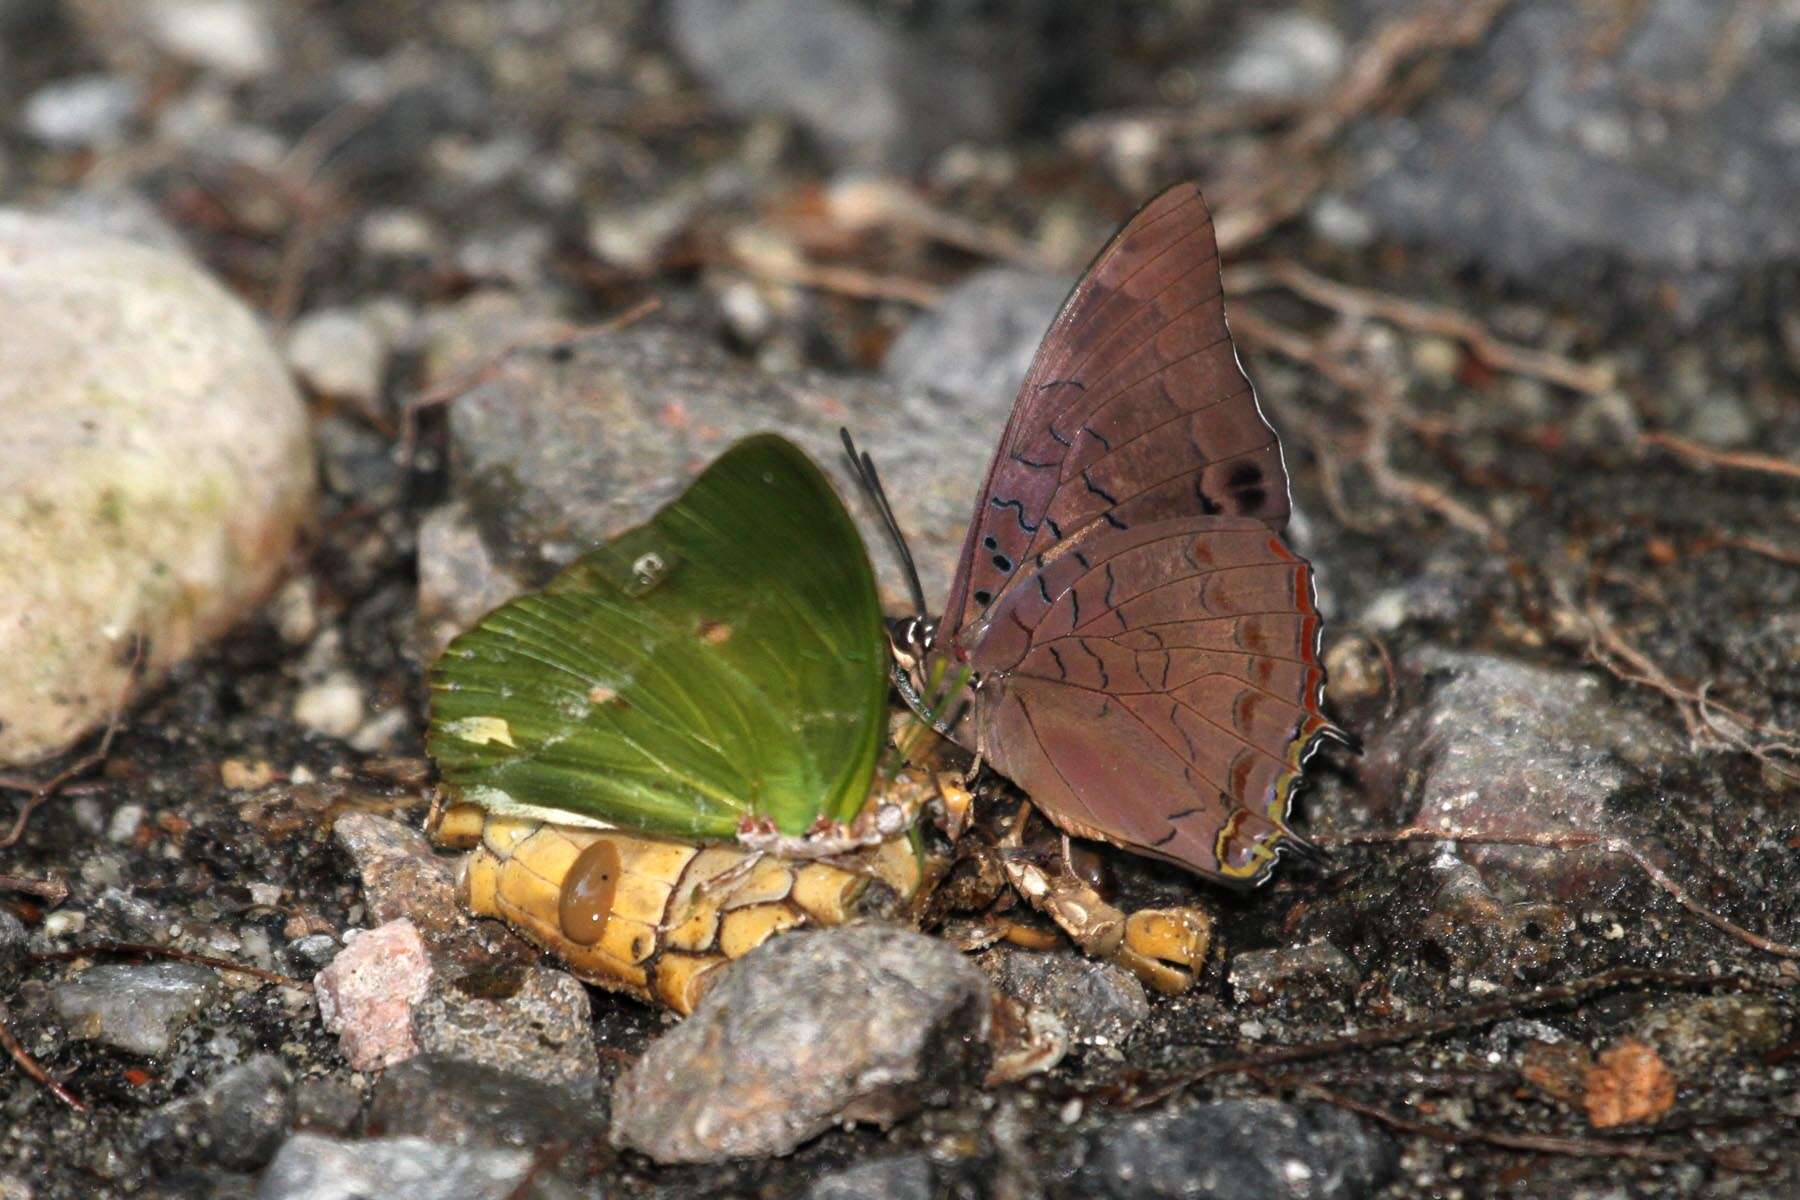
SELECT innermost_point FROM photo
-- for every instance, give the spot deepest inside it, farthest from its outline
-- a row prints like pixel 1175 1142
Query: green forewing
pixel 724 660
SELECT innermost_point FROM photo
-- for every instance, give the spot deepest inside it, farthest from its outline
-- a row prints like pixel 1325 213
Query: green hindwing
pixel 724 660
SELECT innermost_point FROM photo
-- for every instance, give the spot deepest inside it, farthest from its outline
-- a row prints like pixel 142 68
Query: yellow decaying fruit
pixel 653 917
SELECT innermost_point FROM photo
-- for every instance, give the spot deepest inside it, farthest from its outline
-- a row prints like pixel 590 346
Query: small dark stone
pixel 538 1026
pixel 327 1104
pixel 1235 1150
pixel 1096 1001
pixel 1312 972
pixel 238 1121
pixel 455 1102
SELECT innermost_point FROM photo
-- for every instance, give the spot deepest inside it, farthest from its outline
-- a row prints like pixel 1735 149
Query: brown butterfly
pixel 1128 639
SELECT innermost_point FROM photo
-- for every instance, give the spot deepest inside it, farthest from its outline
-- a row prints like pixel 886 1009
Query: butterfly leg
pixel 1061 894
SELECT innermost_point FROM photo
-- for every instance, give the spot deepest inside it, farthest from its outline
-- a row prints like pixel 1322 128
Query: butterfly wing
pixel 1135 410
pixel 1158 687
pixel 726 659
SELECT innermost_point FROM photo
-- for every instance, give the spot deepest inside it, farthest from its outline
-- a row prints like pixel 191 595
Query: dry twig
pixel 1731 1158
pixel 34 1069
pixel 1472 1016
pixel 1381 411
pixel 55 891
pixel 1570 841
pixel 146 950
pixel 1285 176
pixel 1737 460
pixel 853 282
pixel 1362 304
pixel 1625 662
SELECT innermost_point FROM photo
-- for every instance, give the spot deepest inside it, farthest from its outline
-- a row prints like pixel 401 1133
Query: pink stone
pixel 367 995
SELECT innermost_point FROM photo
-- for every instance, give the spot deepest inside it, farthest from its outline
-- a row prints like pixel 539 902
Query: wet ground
pixel 1549 482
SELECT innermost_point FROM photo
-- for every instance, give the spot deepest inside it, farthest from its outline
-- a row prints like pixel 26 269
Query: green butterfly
pixel 724 662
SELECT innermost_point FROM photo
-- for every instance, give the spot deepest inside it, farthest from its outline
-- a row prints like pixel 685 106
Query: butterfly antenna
pixel 870 481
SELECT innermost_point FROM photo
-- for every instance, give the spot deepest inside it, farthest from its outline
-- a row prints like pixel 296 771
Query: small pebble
pixel 339 353
pixel 124 824
pixel 333 706
pixel 64 922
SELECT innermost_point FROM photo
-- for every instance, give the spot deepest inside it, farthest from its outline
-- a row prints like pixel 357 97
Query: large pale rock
pixel 155 472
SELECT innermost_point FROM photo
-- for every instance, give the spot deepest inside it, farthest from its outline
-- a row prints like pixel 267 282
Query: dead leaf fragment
pixel 1628 1085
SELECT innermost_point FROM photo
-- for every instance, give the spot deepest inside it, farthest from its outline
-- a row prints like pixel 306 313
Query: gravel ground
pixel 1515 284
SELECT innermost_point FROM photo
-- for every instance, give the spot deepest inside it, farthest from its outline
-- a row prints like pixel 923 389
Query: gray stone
pixel 1630 155
pixel 327 1104
pixel 456 1102
pixel 1096 1002
pixel 812 1029
pixel 908 1177
pixel 341 354
pixel 1498 747
pixel 978 344
pixel 1236 1150
pixel 1294 974
pixel 870 93
pixel 135 1007
pixel 12 938
pixel 538 1027
pixel 237 1121
pixel 157 474
pixel 564 446
pixel 86 111
pixel 311 1167
pixel 1286 57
